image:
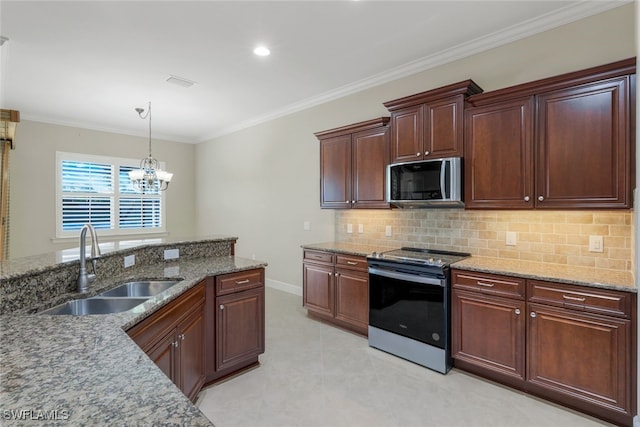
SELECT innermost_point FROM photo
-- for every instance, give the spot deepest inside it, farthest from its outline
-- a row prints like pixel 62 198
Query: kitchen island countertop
pixel 86 370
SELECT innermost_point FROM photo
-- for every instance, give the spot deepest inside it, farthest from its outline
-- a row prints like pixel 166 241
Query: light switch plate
pixel 511 238
pixel 306 225
pixel 388 231
pixel 129 260
pixel 349 228
pixel 596 244
pixel 171 253
pixel 360 228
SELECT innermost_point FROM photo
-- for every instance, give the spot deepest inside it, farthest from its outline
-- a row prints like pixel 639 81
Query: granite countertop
pixel 86 370
pixel 345 248
pixel 586 276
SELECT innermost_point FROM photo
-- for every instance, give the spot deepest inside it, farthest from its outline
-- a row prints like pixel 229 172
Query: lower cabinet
pixel 336 288
pixel 174 339
pixel 571 344
pixel 213 330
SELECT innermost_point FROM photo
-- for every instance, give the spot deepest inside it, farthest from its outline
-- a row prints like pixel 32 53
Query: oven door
pixel 410 305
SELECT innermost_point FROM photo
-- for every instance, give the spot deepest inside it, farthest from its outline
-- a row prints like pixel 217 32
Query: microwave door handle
pixel 443 189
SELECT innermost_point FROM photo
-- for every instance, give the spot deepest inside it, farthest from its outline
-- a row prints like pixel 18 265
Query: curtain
pixel 5 149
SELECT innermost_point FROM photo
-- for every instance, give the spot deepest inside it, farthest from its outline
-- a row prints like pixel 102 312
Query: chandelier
pixel 149 178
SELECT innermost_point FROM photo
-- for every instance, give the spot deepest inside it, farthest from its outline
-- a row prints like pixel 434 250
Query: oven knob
pixel 374 255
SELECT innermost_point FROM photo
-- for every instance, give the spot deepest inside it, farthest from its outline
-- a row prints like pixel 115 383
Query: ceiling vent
pixel 8 122
pixel 180 81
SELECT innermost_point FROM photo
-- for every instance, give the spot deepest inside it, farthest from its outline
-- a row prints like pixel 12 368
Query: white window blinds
pixel 96 190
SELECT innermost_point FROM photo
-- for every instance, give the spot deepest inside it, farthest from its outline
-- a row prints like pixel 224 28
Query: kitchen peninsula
pixel 85 369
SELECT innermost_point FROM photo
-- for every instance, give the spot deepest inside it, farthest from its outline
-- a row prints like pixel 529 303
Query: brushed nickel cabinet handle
pixel 573 298
pixel 352 263
pixel 242 282
pixel 488 285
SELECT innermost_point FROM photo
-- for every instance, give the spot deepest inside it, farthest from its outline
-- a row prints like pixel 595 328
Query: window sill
pixel 139 238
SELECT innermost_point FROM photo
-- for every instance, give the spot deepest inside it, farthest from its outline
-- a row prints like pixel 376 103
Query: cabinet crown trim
pixel 355 127
pixel 602 72
pixel 466 87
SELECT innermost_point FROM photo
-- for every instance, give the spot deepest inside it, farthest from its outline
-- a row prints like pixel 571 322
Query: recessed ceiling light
pixel 261 51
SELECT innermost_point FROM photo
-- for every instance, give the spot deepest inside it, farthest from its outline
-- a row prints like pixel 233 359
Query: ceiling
pixel 89 64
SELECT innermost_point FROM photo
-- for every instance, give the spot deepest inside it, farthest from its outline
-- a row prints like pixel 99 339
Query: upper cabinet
pixel 560 143
pixel 429 125
pixel 353 160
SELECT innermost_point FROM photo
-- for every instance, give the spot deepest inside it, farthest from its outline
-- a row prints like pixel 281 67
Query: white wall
pixel 263 182
pixel 32 175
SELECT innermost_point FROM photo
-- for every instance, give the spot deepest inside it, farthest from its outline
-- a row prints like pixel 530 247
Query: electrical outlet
pixel 171 253
pixel 172 271
pixel 360 228
pixel 388 231
pixel 129 260
pixel 511 238
pixel 596 244
pixel 349 228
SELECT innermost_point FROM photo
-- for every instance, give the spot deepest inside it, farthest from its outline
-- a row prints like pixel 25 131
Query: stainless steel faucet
pixel 85 278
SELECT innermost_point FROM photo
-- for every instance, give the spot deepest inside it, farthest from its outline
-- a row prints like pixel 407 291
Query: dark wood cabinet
pixel 571 344
pixel 429 125
pixel 499 156
pixel 353 160
pixel 239 328
pixel 174 339
pixel 564 142
pixel 336 288
pixel 488 325
pixel 235 325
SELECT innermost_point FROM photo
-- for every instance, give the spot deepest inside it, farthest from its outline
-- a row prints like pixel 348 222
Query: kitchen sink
pixel 80 307
pixel 143 288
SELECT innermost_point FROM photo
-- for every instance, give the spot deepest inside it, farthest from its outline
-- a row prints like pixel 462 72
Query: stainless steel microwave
pixel 426 184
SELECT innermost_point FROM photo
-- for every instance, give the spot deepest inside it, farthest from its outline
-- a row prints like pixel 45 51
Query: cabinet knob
pixel 426 153
pixel 336 274
pixel 175 344
pixel 181 336
pixel 517 311
pixel 353 201
pixel 417 154
pixel 527 198
pixel 221 307
pixel 541 198
pixel 533 314
pixel 346 201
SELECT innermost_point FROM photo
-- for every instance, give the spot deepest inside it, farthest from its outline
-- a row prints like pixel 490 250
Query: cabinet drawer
pixel 511 287
pixel 318 256
pixel 351 261
pixel 235 282
pixel 158 324
pixel 582 298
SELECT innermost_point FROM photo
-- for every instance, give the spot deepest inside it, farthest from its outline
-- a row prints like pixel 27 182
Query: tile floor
pixel 313 374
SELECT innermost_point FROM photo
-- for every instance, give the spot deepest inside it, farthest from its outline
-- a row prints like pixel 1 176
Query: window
pixel 97 190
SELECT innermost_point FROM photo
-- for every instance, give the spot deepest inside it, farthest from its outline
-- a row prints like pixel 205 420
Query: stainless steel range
pixel 409 304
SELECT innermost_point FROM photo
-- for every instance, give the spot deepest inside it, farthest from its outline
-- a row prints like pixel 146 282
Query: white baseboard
pixel 636 421
pixel 282 286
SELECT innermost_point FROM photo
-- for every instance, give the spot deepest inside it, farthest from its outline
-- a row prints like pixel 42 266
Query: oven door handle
pixel 407 277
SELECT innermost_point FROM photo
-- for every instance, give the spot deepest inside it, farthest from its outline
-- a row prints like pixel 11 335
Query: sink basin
pixel 144 288
pixel 79 307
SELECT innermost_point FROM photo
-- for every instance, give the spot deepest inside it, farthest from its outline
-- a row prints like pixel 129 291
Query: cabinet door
pixel 191 340
pixel 164 355
pixel 489 333
pixel 444 128
pixel 407 134
pixel 352 298
pixel 335 172
pixel 583 356
pixel 239 327
pixel 318 288
pixel 498 162
pixel 370 159
pixel 583 147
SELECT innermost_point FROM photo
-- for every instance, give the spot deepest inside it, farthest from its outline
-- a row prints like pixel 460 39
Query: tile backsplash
pixel 560 237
